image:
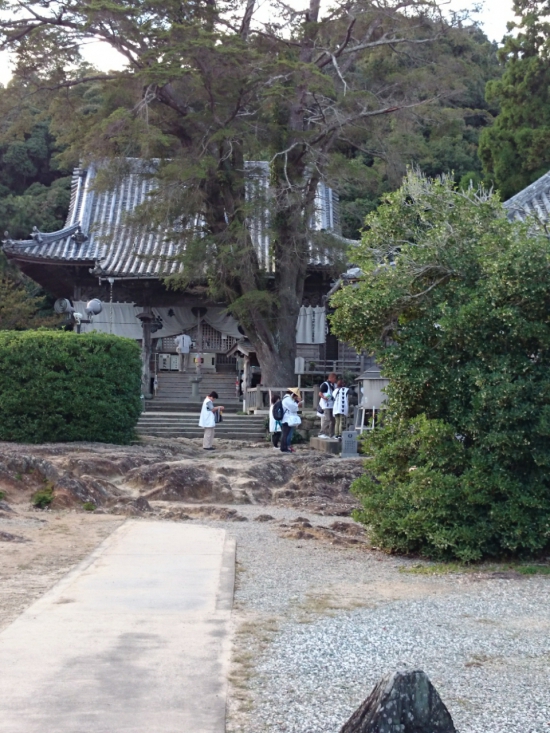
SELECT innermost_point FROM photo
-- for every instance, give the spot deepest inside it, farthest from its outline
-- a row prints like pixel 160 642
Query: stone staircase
pixel 174 392
pixel 164 424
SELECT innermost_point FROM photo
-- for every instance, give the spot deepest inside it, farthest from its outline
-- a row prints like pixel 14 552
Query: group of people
pixel 284 418
pixel 334 404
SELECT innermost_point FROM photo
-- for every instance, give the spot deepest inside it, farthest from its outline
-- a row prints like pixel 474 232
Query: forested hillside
pixel 34 189
pixel 516 149
pixel 439 137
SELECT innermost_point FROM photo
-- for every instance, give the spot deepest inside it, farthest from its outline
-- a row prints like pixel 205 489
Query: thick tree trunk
pixel 276 356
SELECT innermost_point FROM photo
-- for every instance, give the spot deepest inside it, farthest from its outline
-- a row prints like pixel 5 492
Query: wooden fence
pixel 258 399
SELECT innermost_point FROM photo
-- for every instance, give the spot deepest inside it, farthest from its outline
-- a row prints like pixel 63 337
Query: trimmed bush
pixel 61 386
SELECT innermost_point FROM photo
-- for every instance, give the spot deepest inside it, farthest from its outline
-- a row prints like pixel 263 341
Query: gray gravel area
pixel 324 623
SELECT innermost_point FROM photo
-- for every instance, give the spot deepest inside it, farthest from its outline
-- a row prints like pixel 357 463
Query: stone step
pixel 195 422
pixel 174 405
pixel 185 424
pixel 173 418
pixel 253 437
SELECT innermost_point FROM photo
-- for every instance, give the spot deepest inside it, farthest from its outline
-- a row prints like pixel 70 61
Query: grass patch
pixel 450 568
pixel 89 506
pixel 251 640
pixel 533 569
pixel 43 497
pixel 2 495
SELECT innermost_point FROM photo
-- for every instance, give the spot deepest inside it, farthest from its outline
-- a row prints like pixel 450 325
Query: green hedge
pixel 61 386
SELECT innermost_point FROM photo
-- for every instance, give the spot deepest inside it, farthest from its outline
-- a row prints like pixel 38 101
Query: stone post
pixel 197 379
pixel 146 318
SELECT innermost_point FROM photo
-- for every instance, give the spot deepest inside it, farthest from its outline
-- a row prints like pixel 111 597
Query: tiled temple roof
pixel 97 230
pixel 532 201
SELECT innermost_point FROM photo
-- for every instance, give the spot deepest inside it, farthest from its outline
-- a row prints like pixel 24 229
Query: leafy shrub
pixel 435 495
pixel 89 506
pixel 43 497
pixel 62 386
pixel 454 301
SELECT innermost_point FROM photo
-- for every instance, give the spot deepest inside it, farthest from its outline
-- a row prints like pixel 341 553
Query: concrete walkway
pixel 134 640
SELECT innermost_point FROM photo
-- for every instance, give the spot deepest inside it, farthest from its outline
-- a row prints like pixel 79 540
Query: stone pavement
pixel 134 640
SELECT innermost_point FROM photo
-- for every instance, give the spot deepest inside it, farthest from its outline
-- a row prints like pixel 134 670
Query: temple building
pixel 101 254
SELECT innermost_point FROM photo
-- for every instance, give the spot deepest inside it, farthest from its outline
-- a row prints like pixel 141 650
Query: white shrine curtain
pixel 311 326
pixel 121 320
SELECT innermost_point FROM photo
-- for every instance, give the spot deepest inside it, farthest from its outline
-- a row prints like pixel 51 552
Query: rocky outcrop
pixel 402 702
pixel 178 471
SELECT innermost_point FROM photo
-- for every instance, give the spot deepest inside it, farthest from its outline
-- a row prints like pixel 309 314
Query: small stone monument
pixel 402 702
pixel 349 444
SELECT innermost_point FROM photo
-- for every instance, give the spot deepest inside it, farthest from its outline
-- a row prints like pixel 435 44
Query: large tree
pixel 516 149
pixel 209 85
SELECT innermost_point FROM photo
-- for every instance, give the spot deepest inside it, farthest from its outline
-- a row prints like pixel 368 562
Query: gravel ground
pixel 318 625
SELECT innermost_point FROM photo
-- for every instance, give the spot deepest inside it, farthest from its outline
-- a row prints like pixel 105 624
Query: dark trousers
pixel 286 436
pixel 275 437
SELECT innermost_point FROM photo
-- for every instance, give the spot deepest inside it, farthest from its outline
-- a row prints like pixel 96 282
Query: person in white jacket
pixel 291 402
pixel 207 420
pixel 340 409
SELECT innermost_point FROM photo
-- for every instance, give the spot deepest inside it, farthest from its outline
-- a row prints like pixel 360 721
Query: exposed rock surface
pixel 112 478
pixel 9 537
pixel 402 702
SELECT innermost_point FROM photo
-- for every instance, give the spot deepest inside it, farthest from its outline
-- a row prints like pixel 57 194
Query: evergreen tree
pixel 516 150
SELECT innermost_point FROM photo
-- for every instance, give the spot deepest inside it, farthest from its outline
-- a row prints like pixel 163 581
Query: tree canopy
pixel 516 150
pixel 454 302
pixel 209 85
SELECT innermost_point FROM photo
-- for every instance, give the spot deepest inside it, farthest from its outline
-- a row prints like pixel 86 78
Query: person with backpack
pixel 340 410
pixel 276 414
pixel 326 404
pixel 291 402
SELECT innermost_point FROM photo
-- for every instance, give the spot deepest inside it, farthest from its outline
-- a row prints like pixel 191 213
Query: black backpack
pixel 278 411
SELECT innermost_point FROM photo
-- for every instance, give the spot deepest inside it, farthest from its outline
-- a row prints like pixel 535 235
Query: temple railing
pixel 258 399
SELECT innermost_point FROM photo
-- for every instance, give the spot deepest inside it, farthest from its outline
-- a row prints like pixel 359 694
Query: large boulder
pixel 402 702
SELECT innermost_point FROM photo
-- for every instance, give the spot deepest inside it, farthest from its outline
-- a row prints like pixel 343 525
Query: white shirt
pixel 327 403
pixel 274 425
pixel 183 343
pixel 290 406
pixel 207 419
pixel 341 403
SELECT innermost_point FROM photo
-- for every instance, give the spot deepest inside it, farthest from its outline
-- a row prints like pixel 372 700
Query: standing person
pixel 207 419
pixel 183 347
pixel 291 402
pixel 340 410
pixel 275 427
pixel 326 403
